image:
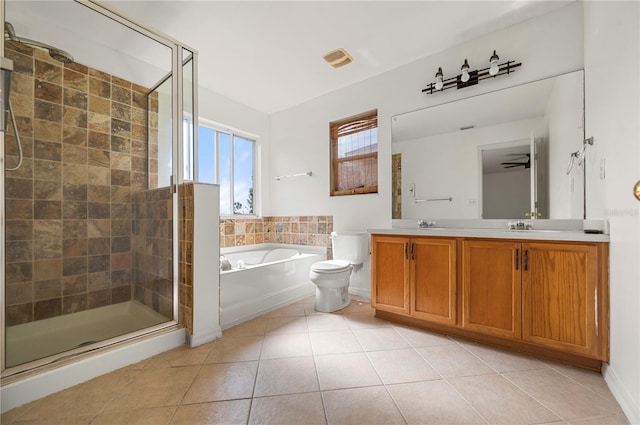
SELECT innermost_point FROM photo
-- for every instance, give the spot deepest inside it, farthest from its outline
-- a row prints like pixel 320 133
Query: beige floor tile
pixel 326 322
pixel 181 356
pixel 88 398
pixel 606 420
pixel 365 320
pixel 380 339
pixel 334 342
pixel 433 402
pixel 563 396
pixel 286 376
pixel 286 345
pixel 224 381
pixel 500 402
pixel 229 349
pixel 398 366
pixel 153 416
pixel 291 409
pixel 371 405
pixel 337 371
pixel 9 417
pixel 452 361
pixel 286 325
pixel 154 388
pixel 422 338
pixel 590 379
pixel 231 412
pixel 253 327
pixel 310 310
pixel 504 361
pixel 357 305
pixel 295 309
pixel 69 420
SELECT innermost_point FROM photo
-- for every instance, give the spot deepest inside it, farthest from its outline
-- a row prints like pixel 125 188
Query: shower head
pixel 55 53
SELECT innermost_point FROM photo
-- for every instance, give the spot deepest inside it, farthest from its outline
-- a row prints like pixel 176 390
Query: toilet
pixel 331 277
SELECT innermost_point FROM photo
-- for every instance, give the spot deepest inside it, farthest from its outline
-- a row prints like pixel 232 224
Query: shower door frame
pixel 177 48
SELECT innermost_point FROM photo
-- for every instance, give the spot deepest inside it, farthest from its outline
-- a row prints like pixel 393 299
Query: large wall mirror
pixel 500 155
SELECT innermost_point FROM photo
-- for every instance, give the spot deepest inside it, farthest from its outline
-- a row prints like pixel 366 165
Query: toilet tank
pixel 350 246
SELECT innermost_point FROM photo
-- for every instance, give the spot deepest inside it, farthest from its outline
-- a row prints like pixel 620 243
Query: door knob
pixel 636 190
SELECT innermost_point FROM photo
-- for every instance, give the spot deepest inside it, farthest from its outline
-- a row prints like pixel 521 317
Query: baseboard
pixel 630 407
pixel 203 338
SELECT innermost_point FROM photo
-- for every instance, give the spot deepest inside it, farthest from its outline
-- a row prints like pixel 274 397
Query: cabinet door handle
pixel 406 250
pixel 517 259
pixel 413 257
pixel 526 260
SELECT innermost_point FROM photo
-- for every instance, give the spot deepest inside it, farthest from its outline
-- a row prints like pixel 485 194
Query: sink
pixel 432 228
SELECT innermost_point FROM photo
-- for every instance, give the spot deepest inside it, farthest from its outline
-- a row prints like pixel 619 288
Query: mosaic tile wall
pixel 396 185
pixel 68 207
pixel 302 230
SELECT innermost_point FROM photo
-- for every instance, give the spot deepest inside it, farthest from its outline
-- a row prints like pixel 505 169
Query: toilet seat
pixel 331 266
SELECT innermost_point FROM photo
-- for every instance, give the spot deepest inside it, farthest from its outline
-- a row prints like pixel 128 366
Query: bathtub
pixel 264 277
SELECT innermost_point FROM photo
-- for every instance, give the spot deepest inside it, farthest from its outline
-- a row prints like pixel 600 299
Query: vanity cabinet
pixel 415 277
pixel 491 287
pixel 542 292
pixel 544 297
pixel 560 297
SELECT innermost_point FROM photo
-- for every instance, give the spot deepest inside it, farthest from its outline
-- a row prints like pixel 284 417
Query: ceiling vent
pixel 337 58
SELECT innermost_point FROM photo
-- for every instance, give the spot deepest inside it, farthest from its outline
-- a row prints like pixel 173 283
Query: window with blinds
pixel 354 155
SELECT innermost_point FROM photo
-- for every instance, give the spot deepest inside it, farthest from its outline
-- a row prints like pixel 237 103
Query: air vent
pixel 337 58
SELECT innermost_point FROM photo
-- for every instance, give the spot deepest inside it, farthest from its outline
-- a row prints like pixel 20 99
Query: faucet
pixel 224 263
pixel 520 225
pixel 426 224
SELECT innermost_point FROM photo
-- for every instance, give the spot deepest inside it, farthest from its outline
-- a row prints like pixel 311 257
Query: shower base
pixel 43 338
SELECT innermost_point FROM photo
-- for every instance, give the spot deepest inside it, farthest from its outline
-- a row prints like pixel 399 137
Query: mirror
pixel 503 154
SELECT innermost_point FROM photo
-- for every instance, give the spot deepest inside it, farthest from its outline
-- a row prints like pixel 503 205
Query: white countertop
pixel 545 235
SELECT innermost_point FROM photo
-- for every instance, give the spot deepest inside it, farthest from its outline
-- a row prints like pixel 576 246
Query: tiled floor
pixel 296 366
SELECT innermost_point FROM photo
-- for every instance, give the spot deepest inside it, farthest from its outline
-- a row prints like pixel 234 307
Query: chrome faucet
pixel 520 225
pixel 426 224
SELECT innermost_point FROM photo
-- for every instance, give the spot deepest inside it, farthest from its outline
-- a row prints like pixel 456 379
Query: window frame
pixel 232 132
pixel 336 130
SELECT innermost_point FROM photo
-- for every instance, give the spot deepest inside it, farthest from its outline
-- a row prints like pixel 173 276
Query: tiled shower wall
pixel 396 185
pixel 68 207
pixel 302 230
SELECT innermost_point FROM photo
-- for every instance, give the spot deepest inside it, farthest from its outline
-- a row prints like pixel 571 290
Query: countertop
pixel 543 235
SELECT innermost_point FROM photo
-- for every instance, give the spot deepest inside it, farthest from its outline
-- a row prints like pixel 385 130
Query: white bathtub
pixel 273 275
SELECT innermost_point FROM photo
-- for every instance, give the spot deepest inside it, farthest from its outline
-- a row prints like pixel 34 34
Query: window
pixel 226 158
pixel 354 155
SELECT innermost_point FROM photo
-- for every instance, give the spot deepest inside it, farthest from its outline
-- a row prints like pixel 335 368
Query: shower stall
pixel 93 109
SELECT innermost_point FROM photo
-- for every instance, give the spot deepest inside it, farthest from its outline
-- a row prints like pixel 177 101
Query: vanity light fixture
pixel 471 78
pixel 439 82
pixel 464 77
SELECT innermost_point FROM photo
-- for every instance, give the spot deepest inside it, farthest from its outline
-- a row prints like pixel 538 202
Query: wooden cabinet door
pixel 559 296
pixel 491 287
pixel 390 273
pixel 433 280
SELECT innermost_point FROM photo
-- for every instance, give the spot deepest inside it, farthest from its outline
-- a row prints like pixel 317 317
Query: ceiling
pixel 268 54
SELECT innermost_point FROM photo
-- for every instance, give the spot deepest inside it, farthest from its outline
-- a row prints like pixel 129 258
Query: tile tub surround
pixel 295 230
pixel 68 207
pixel 289 366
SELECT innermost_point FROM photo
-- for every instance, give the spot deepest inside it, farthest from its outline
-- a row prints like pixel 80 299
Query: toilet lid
pixel 331 266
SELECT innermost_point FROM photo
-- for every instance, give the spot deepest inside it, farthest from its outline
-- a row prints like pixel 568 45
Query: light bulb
pixel 464 77
pixel 494 69
pixel 439 84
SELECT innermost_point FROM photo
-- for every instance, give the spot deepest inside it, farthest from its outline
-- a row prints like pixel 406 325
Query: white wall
pixel 546 46
pixel 612 94
pixel 565 132
pixel 449 165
